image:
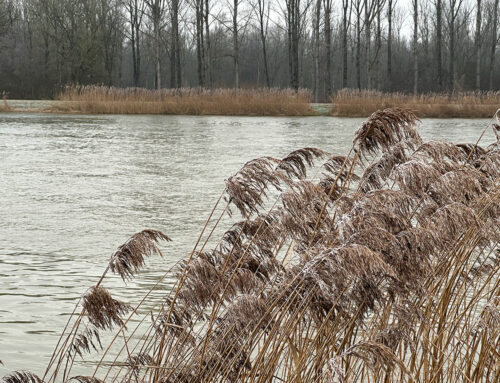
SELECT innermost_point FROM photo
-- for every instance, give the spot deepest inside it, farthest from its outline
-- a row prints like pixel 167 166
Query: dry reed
pixel 4 106
pixel 384 267
pixel 353 103
pixel 186 101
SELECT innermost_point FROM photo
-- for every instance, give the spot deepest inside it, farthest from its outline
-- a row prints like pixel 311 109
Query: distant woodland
pixel 411 46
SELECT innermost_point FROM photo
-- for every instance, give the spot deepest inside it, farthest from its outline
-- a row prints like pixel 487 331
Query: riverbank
pixel 255 102
pixel 185 101
pixel 74 107
pixel 351 103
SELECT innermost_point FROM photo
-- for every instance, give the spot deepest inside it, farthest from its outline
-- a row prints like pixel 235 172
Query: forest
pixel 409 46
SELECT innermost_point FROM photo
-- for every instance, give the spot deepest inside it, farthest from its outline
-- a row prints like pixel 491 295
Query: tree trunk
pixel 378 44
pixel 156 13
pixel 345 26
pixel 173 70
pixel 236 48
pixel 389 44
pixel 358 49
pixel 200 47
pixel 135 22
pixel 367 51
pixel 493 43
pixel 293 20
pixel 295 48
pixel 317 16
pixel 157 54
pixel 176 62
pixel 138 56
pixel 208 53
pixel 439 42
pixel 478 45
pixel 451 65
pixel 415 41
pixel 368 19
pixel 263 40
pixel 289 39
pixel 328 46
pixel 46 52
pixel 134 53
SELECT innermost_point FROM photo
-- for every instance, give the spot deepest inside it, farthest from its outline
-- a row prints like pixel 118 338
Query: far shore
pixel 66 107
pixel 316 109
pixel 257 102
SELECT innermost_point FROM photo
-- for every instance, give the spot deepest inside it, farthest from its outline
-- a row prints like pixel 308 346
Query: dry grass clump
pixel 186 101
pixel 4 106
pixel 382 267
pixel 354 103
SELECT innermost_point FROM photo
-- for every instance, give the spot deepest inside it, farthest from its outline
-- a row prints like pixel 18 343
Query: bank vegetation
pixel 353 103
pixel 184 101
pixel 269 102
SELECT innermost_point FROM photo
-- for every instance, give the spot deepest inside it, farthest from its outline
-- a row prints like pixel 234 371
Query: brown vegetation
pixel 4 106
pixel 383 267
pixel 186 101
pixel 352 103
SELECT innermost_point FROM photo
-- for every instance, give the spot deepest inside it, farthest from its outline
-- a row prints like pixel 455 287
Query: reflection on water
pixel 73 188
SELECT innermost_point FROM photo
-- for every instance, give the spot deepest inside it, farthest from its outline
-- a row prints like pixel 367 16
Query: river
pixel 74 187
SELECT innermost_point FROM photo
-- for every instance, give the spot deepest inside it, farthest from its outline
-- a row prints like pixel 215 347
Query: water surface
pixel 73 188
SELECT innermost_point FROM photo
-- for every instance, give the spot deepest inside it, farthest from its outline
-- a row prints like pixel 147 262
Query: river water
pixel 74 187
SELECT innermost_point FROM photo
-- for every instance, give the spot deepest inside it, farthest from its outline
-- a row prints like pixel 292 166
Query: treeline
pixel 324 45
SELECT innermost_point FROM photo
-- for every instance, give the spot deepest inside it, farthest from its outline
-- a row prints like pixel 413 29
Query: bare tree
pixel 156 11
pixel 415 42
pixel 454 12
pixel 175 49
pixel 110 19
pixel 235 26
pixel 236 46
pixel 477 44
pixel 378 42
pixel 494 40
pixel 7 15
pixel 328 44
pixel 262 9
pixel 370 7
pixel 199 6
pixel 390 12
pixel 207 43
pixel 135 10
pixel 293 31
pixel 316 27
pixel 346 21
pixel 209 78
pixel 358 10
pixel 439 41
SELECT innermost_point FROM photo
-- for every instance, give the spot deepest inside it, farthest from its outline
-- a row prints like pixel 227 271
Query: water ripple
pixel 73 188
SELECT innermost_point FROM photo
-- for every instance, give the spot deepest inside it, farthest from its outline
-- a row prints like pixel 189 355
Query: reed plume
pixel 129 258
pixel 22 377
pixel 102 310
pixel 84 379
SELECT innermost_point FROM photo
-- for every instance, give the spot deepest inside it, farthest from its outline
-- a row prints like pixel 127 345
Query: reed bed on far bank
pixel 186 101
pixel 354 103
pixel 382 265
pixel 4 105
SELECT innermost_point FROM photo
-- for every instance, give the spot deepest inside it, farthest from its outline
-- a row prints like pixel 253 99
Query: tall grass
pixel 4 106
pixel 186 101
pixel 379 265
pixel 353 103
